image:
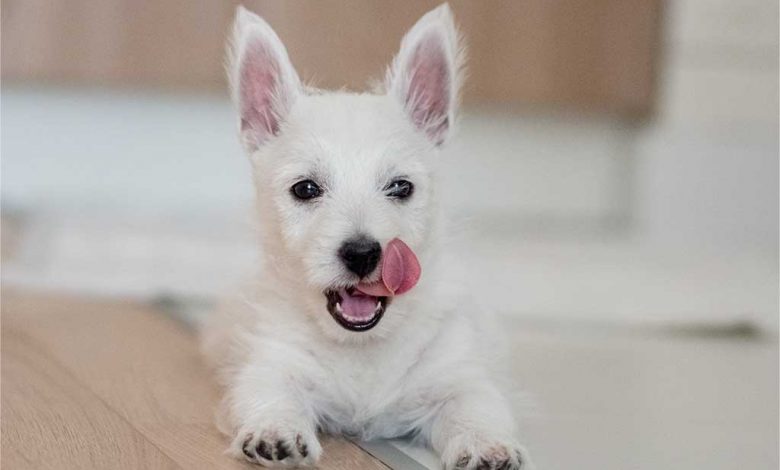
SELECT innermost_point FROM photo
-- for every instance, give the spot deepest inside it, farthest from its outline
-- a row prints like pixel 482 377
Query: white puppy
pixel 339 175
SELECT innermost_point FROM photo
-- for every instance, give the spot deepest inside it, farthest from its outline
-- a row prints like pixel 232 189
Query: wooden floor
pixel 105 384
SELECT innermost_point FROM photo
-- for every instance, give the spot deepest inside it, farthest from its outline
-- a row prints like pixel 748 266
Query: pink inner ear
pixel 259 79
pixel 428 96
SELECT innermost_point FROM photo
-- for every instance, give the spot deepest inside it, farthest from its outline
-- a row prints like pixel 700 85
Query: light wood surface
pixel 598 55
pixel 107 384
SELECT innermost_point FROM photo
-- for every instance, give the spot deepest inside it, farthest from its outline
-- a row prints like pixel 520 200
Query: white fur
pixel 288 368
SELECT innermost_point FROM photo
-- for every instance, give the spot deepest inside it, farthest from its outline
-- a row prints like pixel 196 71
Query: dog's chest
pixel 369 393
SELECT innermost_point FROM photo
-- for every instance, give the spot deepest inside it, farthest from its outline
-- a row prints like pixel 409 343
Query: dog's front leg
pixel 474 429
pixel 270 419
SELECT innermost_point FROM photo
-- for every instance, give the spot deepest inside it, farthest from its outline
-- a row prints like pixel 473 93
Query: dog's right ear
pixel 263 82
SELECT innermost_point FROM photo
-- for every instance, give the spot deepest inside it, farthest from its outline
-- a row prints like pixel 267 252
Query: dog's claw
pixel 263 450
pixel 301 446
pixel 245 446
pixel 463 462
pixel 281 451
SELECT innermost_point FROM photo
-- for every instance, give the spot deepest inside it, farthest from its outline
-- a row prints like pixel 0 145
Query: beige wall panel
pixel 595 55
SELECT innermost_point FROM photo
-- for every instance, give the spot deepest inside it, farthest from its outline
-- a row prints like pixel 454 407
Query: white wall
pixel 707 169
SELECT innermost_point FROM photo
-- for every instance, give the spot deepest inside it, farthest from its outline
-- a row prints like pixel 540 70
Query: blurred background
pixel 620 159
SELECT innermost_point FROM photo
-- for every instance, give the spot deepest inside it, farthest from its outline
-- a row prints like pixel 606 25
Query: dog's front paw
pixel 488 457
pixel 275 447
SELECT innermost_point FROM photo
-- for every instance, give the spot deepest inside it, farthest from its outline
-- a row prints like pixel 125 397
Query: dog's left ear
pixel 425 75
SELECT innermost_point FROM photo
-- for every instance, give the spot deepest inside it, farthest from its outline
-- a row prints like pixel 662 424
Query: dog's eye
pixel 399 189
pixel 305 190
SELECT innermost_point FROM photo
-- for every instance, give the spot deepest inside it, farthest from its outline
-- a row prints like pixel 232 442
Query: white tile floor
pixel 621 400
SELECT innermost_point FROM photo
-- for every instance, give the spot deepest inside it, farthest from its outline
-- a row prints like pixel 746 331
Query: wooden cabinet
pixel 596 55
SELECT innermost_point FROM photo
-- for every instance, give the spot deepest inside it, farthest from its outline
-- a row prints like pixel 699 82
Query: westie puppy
pixel 336 335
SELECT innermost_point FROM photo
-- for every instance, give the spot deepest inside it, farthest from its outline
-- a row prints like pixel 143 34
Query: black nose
pixel 360 255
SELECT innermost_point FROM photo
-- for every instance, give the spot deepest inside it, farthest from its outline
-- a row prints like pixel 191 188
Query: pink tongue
pixel 357 305
pixel 400 271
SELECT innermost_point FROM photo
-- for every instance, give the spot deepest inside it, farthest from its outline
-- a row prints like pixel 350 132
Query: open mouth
pixel 354 310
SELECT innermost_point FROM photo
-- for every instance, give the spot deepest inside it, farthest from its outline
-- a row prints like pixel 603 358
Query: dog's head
pixel 338 175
